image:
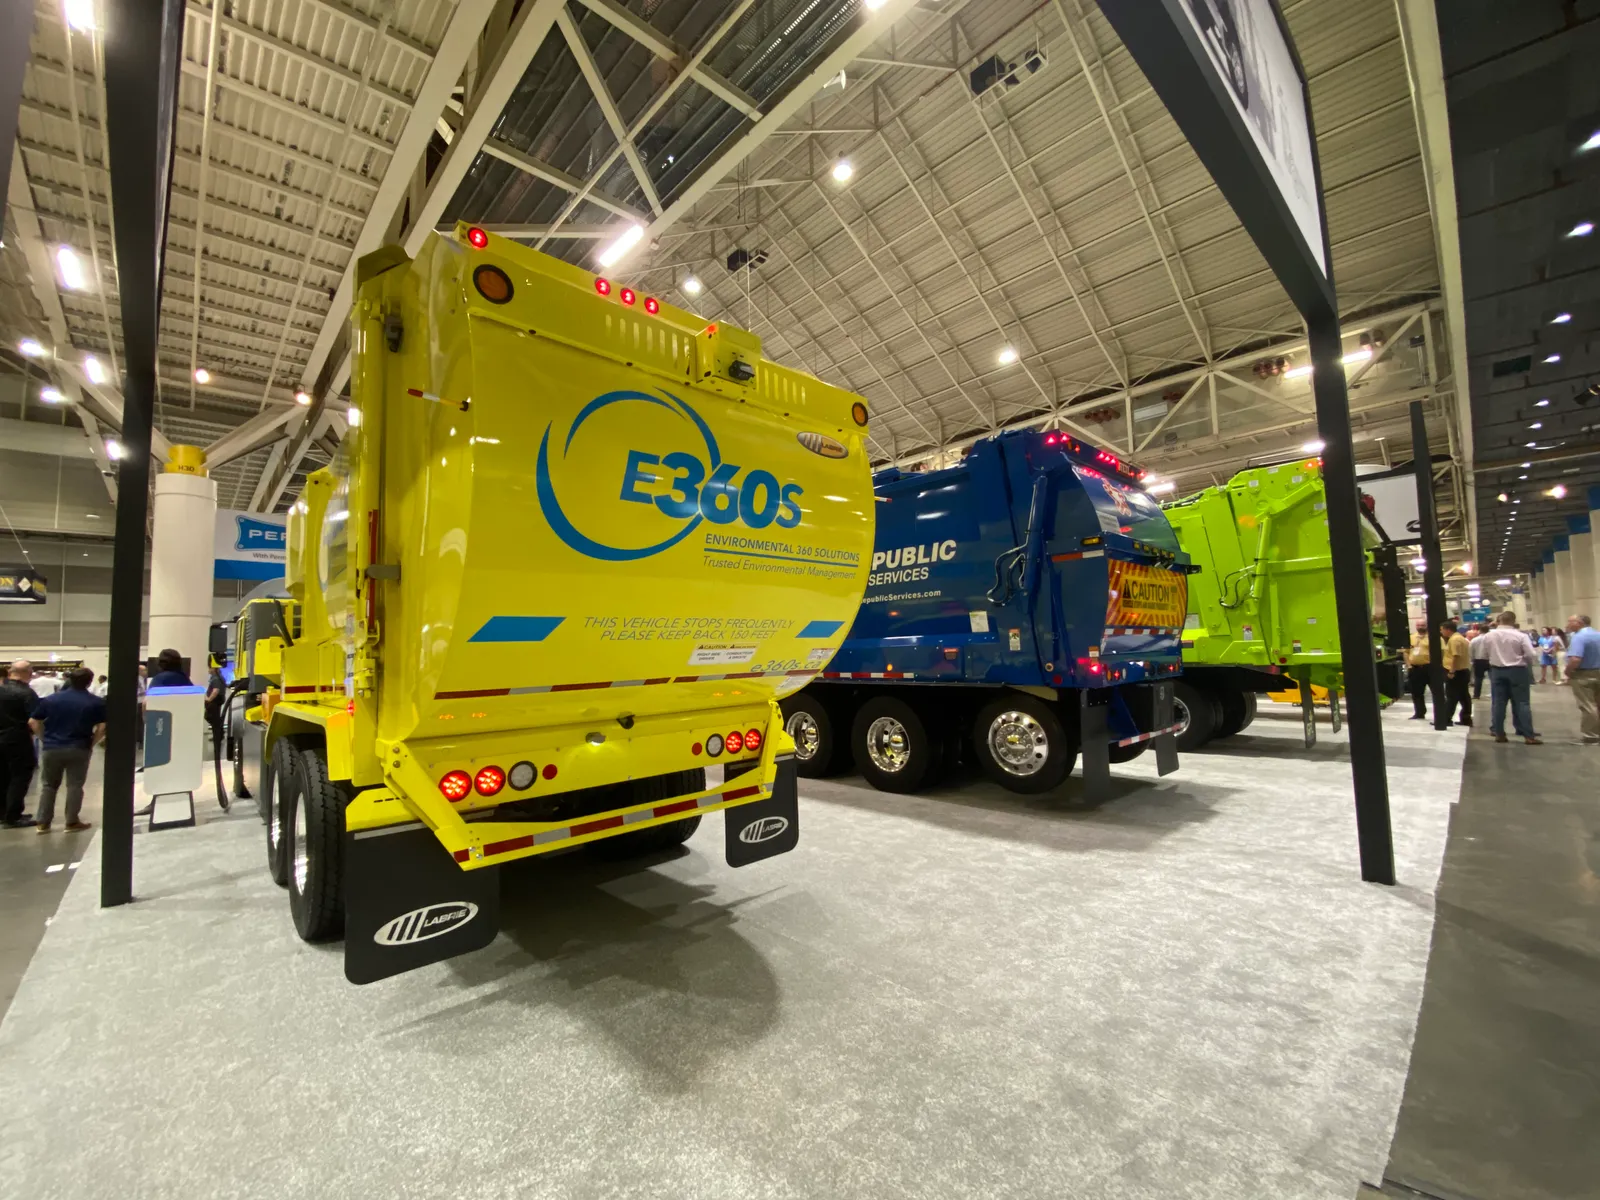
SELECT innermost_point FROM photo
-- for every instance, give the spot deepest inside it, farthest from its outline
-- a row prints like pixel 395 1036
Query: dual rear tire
pixel 305 836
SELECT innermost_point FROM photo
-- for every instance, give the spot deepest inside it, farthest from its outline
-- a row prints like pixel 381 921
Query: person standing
pixel 17 706
pixel 1583 673
pixel 1479 653
pixel 1418 668
pixel 1511 659
pixel 71 722
pixel 101 687
pixel 1547 653
pixel 216 700
pixel 1458 675
pixel 169 671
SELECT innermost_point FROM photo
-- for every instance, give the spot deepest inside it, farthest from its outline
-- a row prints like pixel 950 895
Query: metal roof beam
pixel 663 47
pixel 309 115
pixel 561 179
pixel 608 106
pixel 252 435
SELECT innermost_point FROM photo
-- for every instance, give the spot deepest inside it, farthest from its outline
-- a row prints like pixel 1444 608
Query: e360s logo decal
pixel 699 487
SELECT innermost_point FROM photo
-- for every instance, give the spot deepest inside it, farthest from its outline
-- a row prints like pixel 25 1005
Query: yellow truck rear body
pixel 576 539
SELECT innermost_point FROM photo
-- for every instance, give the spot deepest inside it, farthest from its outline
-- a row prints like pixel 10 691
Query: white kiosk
pixel 174 752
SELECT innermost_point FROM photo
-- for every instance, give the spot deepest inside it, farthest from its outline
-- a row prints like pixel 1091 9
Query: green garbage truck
pixel 1261 608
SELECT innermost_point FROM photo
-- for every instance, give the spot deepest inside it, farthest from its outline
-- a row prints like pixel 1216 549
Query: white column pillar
pixel 1583 590
pixel 182 560
pixel 1519 605
pixel 1563 606
pixel 1536 586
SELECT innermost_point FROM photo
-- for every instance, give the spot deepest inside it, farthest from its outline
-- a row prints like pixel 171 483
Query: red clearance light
pixel 752 739
pixel 455 786
pixel 712 328
pixel 1050 439
pixel 652 305
pixel 477 237
pixel 628 295
pixel 550 771
pixel 489 780
pixel 603 286
pixel 696 748
pixel 734 742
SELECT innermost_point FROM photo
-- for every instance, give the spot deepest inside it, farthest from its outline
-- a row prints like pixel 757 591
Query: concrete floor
pixel 1503 1099
pixel 1185 992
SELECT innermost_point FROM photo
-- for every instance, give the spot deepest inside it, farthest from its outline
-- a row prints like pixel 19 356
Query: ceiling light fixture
pixel 302 397
pixel 842 170
pixel 1521 476
pixel 626 241
pixel 93 369
pixel 31 348
pixel 1162 488
pixel 1559 491
pixel 1007 356
pixel 1593 143
pixel 873 5
pixel 1298 372
pixel 201 375
pixel 1502 583
pixel 1545 403
pixel 1560 318
pixel 1581 229
pixel 113 449
pixel 1503 497
pixel 1552 358
pixel 1537 425
pixel 73 276
pixel 691 286
pixel 1312 447
pixel 50 395
pixel 80 15
pixel 1355 356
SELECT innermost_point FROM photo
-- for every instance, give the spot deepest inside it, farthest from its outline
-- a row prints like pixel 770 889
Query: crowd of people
pixel 1505 655
pixel 51 726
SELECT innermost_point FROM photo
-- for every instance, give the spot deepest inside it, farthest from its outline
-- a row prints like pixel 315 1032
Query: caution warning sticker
pixel 1143 596
pixel 708 654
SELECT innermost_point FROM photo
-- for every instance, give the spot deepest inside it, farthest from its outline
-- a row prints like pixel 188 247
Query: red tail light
pixel 734 742
pixel 696 748
pixel 1050 439
pixel 550 771
pixel 455 786
pixel 477 237
pixel 652 305
pixel 489 780
pixel 752 740
pixel 603 286
pixel 628 295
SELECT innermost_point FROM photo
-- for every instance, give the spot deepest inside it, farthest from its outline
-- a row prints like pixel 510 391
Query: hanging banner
pixel 22 585
pixel 250 545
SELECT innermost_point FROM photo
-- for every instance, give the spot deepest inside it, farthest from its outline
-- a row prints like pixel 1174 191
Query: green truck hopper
pixel 1261 606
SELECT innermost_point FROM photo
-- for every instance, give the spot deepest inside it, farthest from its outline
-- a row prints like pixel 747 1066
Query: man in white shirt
pixel 1511 660
pixel 1479 650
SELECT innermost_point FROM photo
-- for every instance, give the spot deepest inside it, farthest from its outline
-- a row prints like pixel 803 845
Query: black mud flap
pixel 1094 742
pixel 1308 711
pixel 1166 744
pixel 1334 713
pixel 752 832
pixel 408 904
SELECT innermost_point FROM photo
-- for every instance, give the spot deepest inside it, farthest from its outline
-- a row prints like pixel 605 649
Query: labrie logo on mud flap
pixel 681 475
pixel 420 924
pixel 763 830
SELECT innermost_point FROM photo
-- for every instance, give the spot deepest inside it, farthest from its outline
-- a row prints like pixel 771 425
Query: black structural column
pixel 1230 77
pixel 142 56
pixel 1433 565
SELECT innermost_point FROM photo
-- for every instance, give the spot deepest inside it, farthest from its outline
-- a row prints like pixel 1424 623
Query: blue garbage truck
pixel 1023 608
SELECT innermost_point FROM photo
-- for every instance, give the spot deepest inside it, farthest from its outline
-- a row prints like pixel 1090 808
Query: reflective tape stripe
pixel 535 689
pixel 1145 737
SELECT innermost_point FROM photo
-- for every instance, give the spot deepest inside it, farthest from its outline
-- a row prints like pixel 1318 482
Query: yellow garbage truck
pixel 576 546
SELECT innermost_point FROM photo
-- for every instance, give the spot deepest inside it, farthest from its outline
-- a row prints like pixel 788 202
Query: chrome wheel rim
pixel 272 820
pixel 1180 715
pixel 302 858
pixel 807 735
pixel 1018 744
pixel 888 745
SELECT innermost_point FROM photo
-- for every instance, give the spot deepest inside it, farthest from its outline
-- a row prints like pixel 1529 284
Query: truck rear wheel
pixel 1234 712
pixel 1124 754
pixel 658 837
pixel 818 749
pixel 1022 745
pixel 277 777
pixel 313 820
pixel 1197 713
pixel 1249 710
pixel 892 746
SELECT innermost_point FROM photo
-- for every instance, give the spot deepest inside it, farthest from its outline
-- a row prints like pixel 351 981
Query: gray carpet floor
pixel 1183 992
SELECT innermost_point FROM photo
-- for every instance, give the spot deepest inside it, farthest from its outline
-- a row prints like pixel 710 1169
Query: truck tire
pixel 1197 713
pixel 313 821
pixel 658 837
pixel 1249 710
pixel 892 746
pixel 1125 754
pixel 277 777
pixel 1022 745
pixel 818 749
pixel 1234 712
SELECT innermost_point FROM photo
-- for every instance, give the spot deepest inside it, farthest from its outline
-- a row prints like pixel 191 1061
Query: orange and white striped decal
pixel 539 688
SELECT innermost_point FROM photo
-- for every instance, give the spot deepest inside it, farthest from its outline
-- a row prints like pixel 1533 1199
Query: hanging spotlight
pixel 93 369
pixel 1007 356
pixel 50 395
pixel 73 276
pixel 302 397
pixel 80 15
pixel 31 348
pixel 842 170
pixel 691 286
pixel 202 376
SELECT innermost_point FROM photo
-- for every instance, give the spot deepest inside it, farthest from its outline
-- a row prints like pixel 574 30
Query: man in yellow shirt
pixel 1417 676
pixel 1457 653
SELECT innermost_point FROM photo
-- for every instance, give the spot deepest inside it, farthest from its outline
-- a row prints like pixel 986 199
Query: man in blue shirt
pixel 1583 673
pixel 169 671
pixel 69 722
